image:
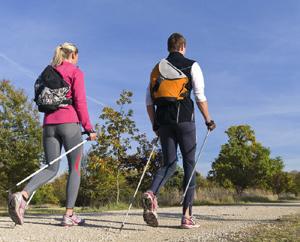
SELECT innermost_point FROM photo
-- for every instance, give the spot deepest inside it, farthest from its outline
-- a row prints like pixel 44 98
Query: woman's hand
pixel 92 136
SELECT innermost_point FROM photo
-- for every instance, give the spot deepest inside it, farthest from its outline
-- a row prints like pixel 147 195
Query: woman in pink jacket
pixel 61 128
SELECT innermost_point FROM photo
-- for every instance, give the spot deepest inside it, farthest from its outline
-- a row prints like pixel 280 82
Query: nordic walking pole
pixel 46 166
pixel 138 186
pixel 27 204
pixel 199 154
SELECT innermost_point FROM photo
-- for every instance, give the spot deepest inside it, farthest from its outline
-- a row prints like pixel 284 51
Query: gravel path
pixel 216 222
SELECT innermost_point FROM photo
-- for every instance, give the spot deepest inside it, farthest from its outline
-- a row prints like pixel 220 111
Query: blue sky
pixel 248 52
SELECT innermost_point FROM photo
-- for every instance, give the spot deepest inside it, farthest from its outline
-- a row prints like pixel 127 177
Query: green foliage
pixel 297 183
pixel 20 136
pixel 175 182
pixel 295 186
pixel 99 182
pixel 115 138
pixel 282 182
pixel 59 188
pixel 113 165
pixel 201 182
pixel 138 163
pixel 118 130
pixel 45 195
pixel 243 162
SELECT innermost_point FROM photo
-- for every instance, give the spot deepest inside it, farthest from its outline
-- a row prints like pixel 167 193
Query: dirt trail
pixel 216 222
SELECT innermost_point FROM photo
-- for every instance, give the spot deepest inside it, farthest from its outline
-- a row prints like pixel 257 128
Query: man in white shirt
pixel 174 122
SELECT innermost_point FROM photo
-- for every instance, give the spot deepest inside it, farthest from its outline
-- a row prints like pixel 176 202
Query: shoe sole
pixel 149 217
pixel 73 224
pixel 189 226
pixel 68 225
pixel 13 212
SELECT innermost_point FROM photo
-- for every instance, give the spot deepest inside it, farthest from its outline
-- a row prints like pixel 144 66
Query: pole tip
pixel 121 227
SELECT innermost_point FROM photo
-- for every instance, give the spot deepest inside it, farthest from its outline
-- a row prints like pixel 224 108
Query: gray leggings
pixel 183 134
pixel 54 136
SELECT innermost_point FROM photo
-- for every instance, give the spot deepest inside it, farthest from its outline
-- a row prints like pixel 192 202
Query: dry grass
pixel 214 195
pixel 286 228
pixel 219 195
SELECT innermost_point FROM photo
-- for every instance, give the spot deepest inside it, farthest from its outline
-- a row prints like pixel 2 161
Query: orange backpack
pixel 167 83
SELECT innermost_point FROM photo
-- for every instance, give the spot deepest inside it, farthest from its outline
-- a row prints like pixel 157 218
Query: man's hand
pixel 210 125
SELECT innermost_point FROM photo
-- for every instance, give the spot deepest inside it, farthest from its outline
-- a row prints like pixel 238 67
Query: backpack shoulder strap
pixel 155 72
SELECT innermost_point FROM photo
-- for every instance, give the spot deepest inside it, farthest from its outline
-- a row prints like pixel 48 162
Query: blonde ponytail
pixel 63 52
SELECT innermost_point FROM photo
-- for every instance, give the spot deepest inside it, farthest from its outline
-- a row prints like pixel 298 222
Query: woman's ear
pixel 74 58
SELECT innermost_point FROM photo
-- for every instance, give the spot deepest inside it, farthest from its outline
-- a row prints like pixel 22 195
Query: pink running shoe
pixel 150 208
pixel 188 223
pixel 16 207
pixel 72 220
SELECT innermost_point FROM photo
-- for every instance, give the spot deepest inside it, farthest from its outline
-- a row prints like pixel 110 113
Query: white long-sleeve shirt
pixel 197 83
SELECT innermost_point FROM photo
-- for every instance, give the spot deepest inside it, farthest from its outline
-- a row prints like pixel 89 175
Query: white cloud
pixel 19 67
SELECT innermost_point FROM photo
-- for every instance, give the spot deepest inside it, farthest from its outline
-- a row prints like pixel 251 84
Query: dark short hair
pixel 175 42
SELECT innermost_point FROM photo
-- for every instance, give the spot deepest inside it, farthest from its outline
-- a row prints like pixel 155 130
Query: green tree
pixel 282 182
pixel 175 182
pixel 243 162
pixel 137 162
pixel 113 156
pixel 20 136
pixel 296 182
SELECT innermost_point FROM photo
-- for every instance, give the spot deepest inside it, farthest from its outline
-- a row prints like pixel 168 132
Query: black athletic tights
pixel 184 135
